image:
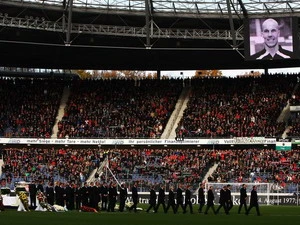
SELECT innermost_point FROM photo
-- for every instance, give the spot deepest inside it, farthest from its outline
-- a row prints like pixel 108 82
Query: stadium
pixel 76 145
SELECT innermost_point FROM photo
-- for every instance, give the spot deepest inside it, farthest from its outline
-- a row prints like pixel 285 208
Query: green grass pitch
pixel 273 215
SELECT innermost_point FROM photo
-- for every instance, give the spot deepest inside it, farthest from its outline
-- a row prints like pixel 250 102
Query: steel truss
pixel 155 31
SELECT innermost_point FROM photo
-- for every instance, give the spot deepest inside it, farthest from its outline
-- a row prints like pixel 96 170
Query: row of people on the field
pixel 225 200
pixel 105 197
pixel 175 200
pixel 73 196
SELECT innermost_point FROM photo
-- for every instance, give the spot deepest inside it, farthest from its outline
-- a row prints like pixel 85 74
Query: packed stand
pixel 119 108
pixel 294 118
pixel 29 107
pixel 155 166
pixel 49 164
pixel 293 129
pixel 236 107
pixel 147 167
pixel 257 165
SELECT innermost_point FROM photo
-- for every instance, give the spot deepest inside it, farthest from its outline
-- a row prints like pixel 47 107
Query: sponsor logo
pixel 117 142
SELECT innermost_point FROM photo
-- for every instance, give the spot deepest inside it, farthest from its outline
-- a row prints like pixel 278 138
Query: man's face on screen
pixel 270 33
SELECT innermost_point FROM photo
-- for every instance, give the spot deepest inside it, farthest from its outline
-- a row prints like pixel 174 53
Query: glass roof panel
pixel 182 6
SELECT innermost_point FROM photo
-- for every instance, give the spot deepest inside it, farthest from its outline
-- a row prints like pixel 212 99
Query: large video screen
pixel 271 38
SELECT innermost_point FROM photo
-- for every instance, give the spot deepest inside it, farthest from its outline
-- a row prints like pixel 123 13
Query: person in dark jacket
pixel 104 196
pixel 123 197
pixel 32 194
pixel 201 197
pixel 222 200
pixel 152 200
pixel 135 197
pixel 187 202
pixel 50 193
pixel 161 198
pixel 171 200
pixel 112 197
pixel 40 186
pixel 77 197
pixel 179 198
pixel 70 196
pixel 84 195
pixel 243 198
pixel 272 49
pixel 210 200
pixel 229 203
pixel 253 201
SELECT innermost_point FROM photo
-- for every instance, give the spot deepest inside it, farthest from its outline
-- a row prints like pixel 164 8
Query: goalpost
pixel 263 191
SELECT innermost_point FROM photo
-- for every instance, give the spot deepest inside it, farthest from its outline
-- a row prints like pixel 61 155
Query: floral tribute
pixel 129 204
pixel 43 201
pixel 87 209
pixel 23 196
pixel 58 208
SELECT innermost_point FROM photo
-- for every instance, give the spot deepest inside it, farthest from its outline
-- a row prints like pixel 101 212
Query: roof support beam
pixel 69 28
pixel 151 7
pixel 147 15
pixel 64 4
pixel 198 11
pixel 231 24
pixel 174 7
pixel 291 8
pixel 219 6
pixel 265 5
pixel 245 13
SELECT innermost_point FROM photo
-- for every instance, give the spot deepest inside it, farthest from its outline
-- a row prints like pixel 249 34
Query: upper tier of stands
pixel 223 107
pixel 237 107
pixel 28 107
pixel 119 108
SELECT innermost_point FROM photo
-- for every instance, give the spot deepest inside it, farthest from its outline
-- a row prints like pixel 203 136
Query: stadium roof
pixel 212 8
pixel 134 34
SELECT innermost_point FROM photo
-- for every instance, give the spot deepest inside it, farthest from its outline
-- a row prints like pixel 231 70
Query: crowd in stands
pixel 151 166
pixel 119 108
pixel 144 166
pixel 257 165
pixel 237 107
pixel 294 119
pixel 293 129
pixel 223 107
pixel 141 109
pixel 49 164
pixel 29 107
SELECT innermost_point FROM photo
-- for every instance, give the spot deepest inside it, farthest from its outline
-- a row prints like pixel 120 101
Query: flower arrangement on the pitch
pixel 23 196
pixel 129 204
pixel 87 209
pixel 58 208
pixel 43 201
